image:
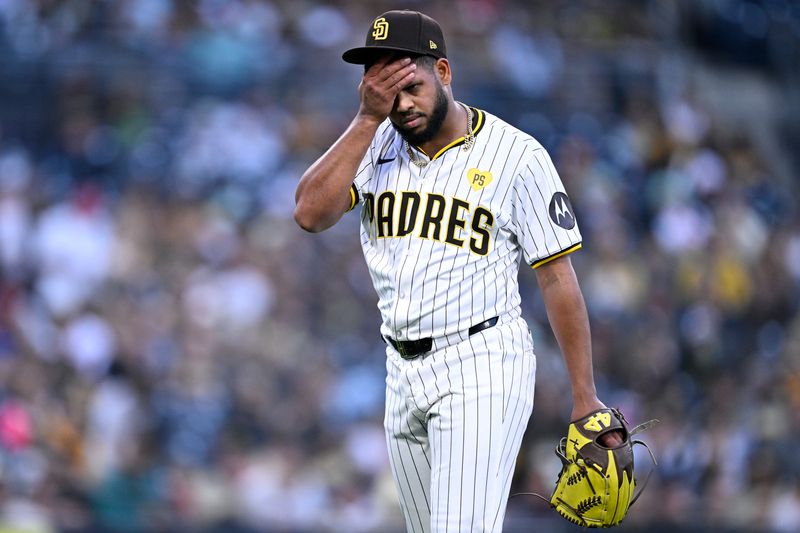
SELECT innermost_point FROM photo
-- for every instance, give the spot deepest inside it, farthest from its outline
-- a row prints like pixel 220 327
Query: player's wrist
pixel 369 119
pixel 584 393
pixel 582 405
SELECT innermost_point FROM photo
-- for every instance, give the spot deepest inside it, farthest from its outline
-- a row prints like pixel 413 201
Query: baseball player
pixel 452 200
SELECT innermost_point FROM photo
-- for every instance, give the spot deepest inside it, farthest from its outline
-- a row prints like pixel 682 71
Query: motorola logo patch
pixel 561 211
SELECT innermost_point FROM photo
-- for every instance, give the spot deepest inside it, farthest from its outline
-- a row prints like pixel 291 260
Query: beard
pixel 435 121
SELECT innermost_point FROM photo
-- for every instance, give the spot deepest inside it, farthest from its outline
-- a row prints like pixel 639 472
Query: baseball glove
pixel 596 486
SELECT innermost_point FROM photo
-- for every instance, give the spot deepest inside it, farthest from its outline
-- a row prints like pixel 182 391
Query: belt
pixel 412 349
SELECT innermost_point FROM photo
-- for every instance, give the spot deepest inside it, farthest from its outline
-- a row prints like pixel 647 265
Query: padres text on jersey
pixel 444 243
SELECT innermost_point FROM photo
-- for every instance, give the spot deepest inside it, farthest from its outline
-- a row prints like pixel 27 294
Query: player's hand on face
pixel 381 84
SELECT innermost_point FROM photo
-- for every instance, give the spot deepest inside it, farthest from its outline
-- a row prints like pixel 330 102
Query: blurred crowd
pixel 176 355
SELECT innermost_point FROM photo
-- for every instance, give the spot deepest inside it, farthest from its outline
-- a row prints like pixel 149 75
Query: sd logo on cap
pixel 400 31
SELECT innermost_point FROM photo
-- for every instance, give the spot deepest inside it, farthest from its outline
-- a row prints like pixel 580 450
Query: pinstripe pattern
pixel 428 288
pixel 455 417
pixel 454 424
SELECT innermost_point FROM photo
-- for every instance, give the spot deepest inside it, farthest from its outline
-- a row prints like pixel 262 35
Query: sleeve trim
pixel 353 197
pixel 562 253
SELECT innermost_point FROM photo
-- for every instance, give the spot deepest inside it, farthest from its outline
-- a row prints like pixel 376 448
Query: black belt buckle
pixel 412 349
pixel 401 348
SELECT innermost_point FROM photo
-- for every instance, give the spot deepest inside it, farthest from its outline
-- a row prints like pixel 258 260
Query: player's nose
pixel 403 103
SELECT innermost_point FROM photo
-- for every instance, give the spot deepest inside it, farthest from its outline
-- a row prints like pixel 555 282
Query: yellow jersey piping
pixel 475 129
pixel 353 197
pixel 562 253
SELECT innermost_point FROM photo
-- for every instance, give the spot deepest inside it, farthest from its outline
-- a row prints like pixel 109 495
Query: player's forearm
pixel 566 311
pixel 322 195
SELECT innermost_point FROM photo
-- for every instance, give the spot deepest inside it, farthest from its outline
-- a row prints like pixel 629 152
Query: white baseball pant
pixel 454 423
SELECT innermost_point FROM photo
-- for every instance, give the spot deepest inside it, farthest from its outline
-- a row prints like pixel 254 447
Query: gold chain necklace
pixel 469 140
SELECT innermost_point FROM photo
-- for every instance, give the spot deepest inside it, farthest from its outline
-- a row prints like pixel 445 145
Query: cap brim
pixel 366 54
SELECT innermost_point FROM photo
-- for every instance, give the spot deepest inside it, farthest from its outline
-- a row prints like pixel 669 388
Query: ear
pixel 442 69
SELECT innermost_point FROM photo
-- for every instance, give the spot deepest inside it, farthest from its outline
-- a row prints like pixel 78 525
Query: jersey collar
pixel 480 119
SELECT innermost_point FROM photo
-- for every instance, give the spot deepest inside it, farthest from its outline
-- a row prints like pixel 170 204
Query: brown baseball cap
pixel 400 31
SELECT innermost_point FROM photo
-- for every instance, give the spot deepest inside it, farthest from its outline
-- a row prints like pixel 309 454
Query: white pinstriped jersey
pixel 443 243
